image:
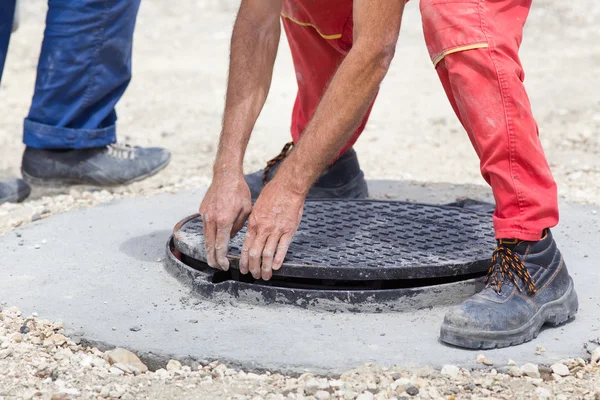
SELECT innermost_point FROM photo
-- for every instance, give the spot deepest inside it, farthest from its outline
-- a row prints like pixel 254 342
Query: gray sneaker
pixel 101 166
pixel 13 191
pixel 528 286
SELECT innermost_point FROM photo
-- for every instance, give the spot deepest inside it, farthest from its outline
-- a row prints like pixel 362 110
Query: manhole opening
pixel 322 284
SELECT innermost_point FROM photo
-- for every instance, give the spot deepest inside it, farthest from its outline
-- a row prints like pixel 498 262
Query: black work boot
pixel 13 191
pixel 99 166
pixel 527 286
pixel 342 180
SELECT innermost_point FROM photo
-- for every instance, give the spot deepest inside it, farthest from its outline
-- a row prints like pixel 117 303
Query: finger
pixel 210 232
pixel 222 246
pixel 246 250
pixel 282 249
pixel 268 254
pixel 255 254
pixel 239 222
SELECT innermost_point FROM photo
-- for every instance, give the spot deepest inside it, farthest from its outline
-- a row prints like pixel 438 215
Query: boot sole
pixel 554 313
pixel 64 182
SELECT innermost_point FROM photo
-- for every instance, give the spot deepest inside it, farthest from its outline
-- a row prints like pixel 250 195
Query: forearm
pixel 337 117
pixel 254 46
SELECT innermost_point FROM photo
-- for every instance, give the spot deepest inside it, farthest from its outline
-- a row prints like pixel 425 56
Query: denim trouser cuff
pixel 41 136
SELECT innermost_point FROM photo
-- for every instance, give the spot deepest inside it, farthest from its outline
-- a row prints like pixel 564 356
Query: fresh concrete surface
pixel 98 271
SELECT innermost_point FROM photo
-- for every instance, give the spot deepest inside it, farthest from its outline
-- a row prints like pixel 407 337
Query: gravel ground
pixel 38 360
pixel 176 99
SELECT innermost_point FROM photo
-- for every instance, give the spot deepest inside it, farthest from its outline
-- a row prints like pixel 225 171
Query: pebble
pixel 322 395
pixel 311 386
pixel 365 396
pixel 596 356
pixel 511 363
pixel 451 370
pixel 126 357
pixel 539 350
pixel 5 353
pixel 543 393
pixel 487 362
pixel 530 370
pixel 116 371
pixel 515 372
pixel 480 359
pixel 336 384
pixel 413 391
pixel 173 365
pixel 24 329
pixel 560 369
pixel 135 328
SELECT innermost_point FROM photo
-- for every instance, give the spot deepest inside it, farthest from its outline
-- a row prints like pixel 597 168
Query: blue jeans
pixel 83 70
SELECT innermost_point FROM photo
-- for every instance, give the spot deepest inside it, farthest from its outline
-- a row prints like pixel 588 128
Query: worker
pixel 83 70
pixel 342 50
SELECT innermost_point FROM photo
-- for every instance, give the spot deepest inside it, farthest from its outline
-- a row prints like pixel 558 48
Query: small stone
pixel 336 384
pixel 113 328
pixel 173 365
pixel 116 371
pixel 365 396
pixel 36 246
pixel 531 370
pixel 543 393
pixel 515 372
pixel 451 370
pixel 24 329
pixel 511 363
pixel 322 395
pixel 311 386
pixel 126 357
pixel 162 373
pixel 480 359
pixel 396 375
pixel 487 362
pixel 57 339
pixel 44 241
pixel 11 312
pixel 135 328
pixel 413 391
pixel 193 321
pixel 5 353
pixel 16 337
pixel 539 350
pixel 560 369
pixel 596 356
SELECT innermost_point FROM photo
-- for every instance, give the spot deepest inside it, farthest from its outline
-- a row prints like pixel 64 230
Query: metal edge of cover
pixel 200 281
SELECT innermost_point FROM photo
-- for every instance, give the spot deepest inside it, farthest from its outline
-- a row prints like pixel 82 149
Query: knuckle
pixel 268 254
pixel 254 254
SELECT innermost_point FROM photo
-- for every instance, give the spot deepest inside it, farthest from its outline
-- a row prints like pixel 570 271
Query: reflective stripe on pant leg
pixel 83 70
pixel 485 86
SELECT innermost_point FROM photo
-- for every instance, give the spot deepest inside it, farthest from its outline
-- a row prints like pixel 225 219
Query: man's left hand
pixel 272 224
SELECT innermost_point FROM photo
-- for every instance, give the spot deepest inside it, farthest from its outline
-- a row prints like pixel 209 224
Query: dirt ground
pixel 176 99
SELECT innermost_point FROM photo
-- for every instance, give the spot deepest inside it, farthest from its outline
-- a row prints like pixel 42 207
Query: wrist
pixel 227 166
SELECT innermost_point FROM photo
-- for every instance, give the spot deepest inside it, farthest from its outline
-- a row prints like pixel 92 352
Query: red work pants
pixel 474 47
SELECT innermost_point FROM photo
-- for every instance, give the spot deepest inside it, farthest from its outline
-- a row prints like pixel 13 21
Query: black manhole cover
pixel 361 254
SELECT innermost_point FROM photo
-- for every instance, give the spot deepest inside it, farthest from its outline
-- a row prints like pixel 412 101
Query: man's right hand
pixel 224 211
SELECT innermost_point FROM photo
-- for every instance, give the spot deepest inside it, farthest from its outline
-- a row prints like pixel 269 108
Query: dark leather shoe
pixel 13 191
pixel 100 166
pixel 528 286
pixel 342 180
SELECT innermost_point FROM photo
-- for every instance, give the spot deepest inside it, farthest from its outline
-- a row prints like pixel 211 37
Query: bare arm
pixel 278 210
pixel 227 203
pixel 254 45
pixel 351 91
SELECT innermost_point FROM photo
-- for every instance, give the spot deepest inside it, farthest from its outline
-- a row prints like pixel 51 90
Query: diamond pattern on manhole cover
pixel 369 239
